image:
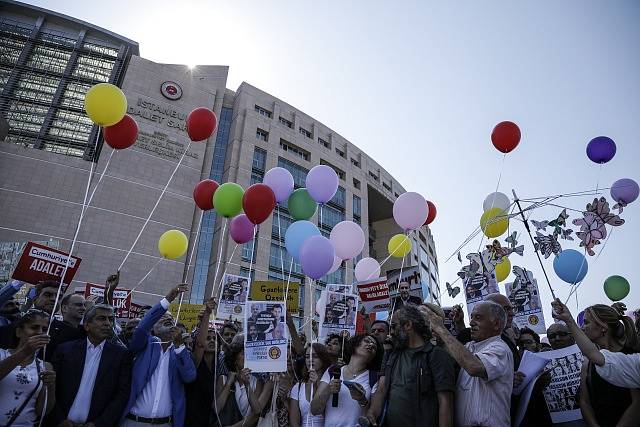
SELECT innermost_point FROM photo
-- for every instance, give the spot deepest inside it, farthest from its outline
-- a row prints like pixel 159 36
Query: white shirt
pixel 348 410
pixel 298 392
pixel 82 403
pixel 622 370
pixel 481 402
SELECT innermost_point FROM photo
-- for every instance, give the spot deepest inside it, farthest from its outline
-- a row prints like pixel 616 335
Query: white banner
pixel 565 366
pixel 233 294
pixel 525 297
pixel 337 314
pixel 265 337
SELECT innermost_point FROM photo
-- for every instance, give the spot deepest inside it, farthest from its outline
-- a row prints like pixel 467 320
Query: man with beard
pixel 419 379
pixel 127 331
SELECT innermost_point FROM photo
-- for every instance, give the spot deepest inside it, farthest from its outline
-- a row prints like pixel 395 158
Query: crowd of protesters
pixel 88 370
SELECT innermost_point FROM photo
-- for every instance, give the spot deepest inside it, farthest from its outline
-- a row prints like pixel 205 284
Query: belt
pixel 145 420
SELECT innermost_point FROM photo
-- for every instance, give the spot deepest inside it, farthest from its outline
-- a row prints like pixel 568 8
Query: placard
pixel 273 290
pixel 188 314
pixel 565 366
pixel 477 287
pixel 448 321
pixel 39 262
pixel 412 276
pixel 336 287
pixel 374 295
pixel 265 337
pixel 525 297
pixel 233 294
pixel 121 298
pixel 338 314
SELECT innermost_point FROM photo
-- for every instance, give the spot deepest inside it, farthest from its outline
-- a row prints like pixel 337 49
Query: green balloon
pixel 227 200
pixel 301 205
pixel 616 288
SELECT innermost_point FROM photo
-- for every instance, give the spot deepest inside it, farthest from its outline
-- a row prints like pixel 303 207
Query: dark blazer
pixel 112 385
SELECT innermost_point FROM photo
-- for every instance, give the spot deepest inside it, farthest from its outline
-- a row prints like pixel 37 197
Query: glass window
pixel 287 146
pixel 246 251
pixel 262 135
pixel 330 216
pixel 324 143
pixel 263 111
pixel 299 173
pixel 357 207
pixel 340 153
pixel 259 159
pixel 305 132
pixel 285 122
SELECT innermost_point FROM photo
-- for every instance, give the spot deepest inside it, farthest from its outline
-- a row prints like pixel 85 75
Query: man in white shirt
pixel 97 375
pixel 485 383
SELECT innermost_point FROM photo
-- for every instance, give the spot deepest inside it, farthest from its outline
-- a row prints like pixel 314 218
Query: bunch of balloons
pixel 494 222
pixel 106 106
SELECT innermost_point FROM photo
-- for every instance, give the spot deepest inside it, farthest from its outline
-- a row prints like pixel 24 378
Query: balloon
pixel 399 246
pixel 601 149
pixel 228 199
pixel 571 266
pixel 173 244
pixel 201 123
pixel 496 200
pixel 410 211
pixel 494 222
pixel 580 319
pixel 258 202
pixel 505 136
pixel 316 256
pixel 503 268
pixel 625 191
pixel 105 104
pixel 322 183
pixel 367 268
pixel 337 262
pixel 432 213
pixel 347 238
pixel 301 205
pixel 280 181
pixel 296 234
pixel 241 229
pixel 203 193
pixel 123 134
pixel 616 288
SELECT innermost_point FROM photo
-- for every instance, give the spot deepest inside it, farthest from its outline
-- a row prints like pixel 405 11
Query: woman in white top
pixel 317 360
pixel 23 377
pixel 363 354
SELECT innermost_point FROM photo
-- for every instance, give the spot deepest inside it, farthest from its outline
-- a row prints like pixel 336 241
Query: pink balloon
pixel 337 262
pixel 241 229
pixel 348 239
pixel 410 211
pixel 367 269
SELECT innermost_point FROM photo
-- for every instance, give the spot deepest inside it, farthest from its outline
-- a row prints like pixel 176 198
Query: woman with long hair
pixel 25 380
pixel 317 361
pixel 353 383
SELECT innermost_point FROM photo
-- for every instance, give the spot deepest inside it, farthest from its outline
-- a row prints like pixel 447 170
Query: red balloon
pixel 201 123
pixel 505 136
pixel 203 193
pixel 258 202
pixel 432 213
pixel 123 134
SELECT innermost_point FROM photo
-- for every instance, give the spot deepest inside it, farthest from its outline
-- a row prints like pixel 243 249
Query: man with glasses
pixel 559 336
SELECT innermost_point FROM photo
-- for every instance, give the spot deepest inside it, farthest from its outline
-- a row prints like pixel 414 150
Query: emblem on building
pixel 171 90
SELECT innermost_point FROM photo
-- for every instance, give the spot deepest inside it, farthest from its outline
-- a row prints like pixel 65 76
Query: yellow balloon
pixel 173 244
pixel 105 104
pixel 503 269
pixel 494 222
pixel 399 246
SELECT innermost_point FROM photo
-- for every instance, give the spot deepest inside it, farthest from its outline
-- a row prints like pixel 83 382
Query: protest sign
pixel 338 314
pixel 477 287
pixel 374 295
pixel 411 275
pixel 448 321
pixel 121 298
pixel 565 366
pixel 525 298
pixel 233 294
pixel 335 287
pixel 265 337
pixel 531 366
pixel 39 262
pixel 188 314
pixel 136 310
pixel 268 290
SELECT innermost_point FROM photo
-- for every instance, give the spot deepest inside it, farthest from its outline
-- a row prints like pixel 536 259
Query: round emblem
pixel 237 309
pixel 171 90
pixel 274 353
pixel 533 319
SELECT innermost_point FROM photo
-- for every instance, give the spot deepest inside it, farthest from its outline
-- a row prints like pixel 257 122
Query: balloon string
pixel 145 277
pixel 186 272
pixel 100 179
pixel 224 272
pixel 393 307
pixel 155 206
pixel 493 199
pixel 280 244
pixel 215 276
pixel 406 237
pixel 253 249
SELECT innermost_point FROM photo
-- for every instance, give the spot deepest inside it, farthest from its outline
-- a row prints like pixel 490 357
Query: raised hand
pixel 113 281
pixel 48 378
pixel 36 342
pixel 560 311
pixel 244 377
pixel 210 305
pixel 334 386
pixel 173 293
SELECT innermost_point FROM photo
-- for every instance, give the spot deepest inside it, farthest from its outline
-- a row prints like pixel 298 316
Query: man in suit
pixel 160 369
pixel 97 375
pixel 404 297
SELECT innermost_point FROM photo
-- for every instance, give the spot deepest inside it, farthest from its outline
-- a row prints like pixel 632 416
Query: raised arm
pixel 296 342
pixel 587 347
pixel 34 344
pixel 110 286
pixel 203 330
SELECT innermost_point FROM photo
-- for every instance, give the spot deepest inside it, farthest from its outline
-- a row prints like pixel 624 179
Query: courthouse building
pixel 50 149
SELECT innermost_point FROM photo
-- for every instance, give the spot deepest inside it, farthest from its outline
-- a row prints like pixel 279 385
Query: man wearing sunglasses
pixel 559 336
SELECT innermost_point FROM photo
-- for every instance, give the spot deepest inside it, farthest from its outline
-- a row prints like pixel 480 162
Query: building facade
pixel 51 156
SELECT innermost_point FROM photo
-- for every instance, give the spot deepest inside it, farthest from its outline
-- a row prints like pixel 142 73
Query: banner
pixel 335 287
pixel 39 262
pixel 188 314
pixel 338 315
pixel 477 287
pixel 374 295
pixel 136 310
pixel 525 298
pixel 121 298
pixel 10 253
pixel 565 366
pixel 265 337
pixel 268 290
pixel 233 294
pixel 411 275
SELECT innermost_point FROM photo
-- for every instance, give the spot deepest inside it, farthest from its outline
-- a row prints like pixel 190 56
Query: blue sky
pixel 419 87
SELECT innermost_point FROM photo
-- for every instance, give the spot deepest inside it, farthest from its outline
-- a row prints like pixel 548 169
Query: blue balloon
pixel 571 266
pixel 297 234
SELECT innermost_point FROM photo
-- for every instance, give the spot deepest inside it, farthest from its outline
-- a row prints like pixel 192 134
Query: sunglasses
pixel 557 334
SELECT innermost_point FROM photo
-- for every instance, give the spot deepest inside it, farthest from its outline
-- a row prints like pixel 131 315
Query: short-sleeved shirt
pixel 620 369
pixel 348 410
pixel 481 402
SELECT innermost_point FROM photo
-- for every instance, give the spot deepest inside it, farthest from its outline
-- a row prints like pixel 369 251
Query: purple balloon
pixel 580 318
pixel 280 181
pixel 316 256
pixel 601 149
pixel 241 229
pixel 322 183
pixel 625 191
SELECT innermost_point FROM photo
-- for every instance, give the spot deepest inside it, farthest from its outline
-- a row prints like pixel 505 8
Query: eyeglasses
pixel 557 334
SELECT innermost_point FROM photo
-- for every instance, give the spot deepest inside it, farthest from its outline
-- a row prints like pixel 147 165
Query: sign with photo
pixel 39 262
pixel 271 290
pixel 233 294
pixel 561 395
pixel 412 276
pixel 477 287
pixel 335 287
pixel 374 295
pixel 265 337
pixel 448 320
pixel 338 315
pixel 525 298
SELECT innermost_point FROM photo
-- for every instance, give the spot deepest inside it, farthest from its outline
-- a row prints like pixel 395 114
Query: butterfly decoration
pixel 593 224
pixel 559 223
pixel 453 291
pixel 498 252
pixel 620 206
pixel 566 234
pixel 479 263
pixel 523 276
pixel 540 225
pixel 512 240
pixel 459 257
pixel 547 244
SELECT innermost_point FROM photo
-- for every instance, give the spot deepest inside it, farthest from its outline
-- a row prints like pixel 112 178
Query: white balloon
pixel 410 211
pixel 367 269
pixel 347 238
pixel 496 200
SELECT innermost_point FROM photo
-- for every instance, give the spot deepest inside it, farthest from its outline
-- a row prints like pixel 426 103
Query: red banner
pixel 121 298
pixel 39 262
pixel 374 295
